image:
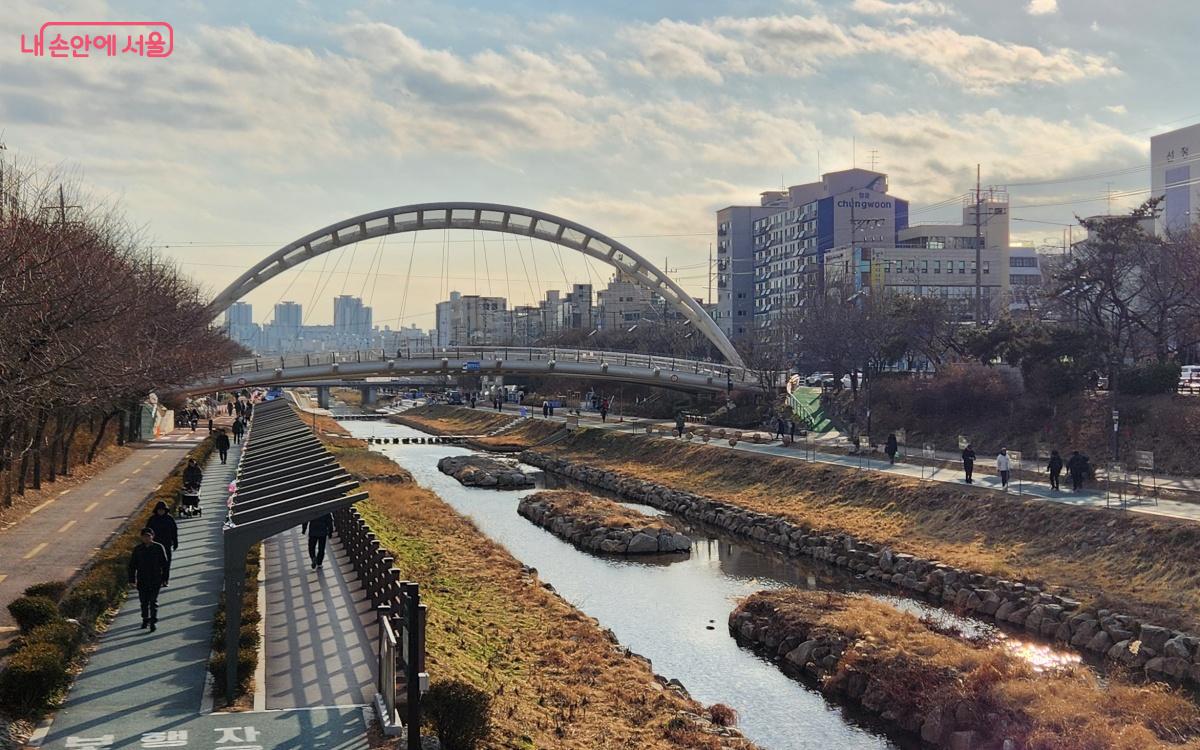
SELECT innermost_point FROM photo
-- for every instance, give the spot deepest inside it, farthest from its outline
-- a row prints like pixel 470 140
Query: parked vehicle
pixel 819 378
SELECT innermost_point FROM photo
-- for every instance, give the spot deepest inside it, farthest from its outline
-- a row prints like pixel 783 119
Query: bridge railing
pixel 515 354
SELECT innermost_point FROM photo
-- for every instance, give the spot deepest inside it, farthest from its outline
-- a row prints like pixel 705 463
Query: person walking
pixel 792 429
pixel 1077 466
pixel 222 444
pixel 210 425
pixel 229 408
pixel 679 424
pixel 780 428
pixel 192 474
pixel 472 400
pixel 149 569
pixel 193 419
pixel 239 427
pixel 1055 468
pixel 604 410
pixel 319 529
pixel 1003 464
pixel 551 404
pixel 891 448
pixel 546 409
pixel 968 459
pixel 165 531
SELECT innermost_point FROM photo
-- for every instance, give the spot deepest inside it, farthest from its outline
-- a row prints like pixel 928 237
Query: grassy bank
pixel 525 434
pixel 939 685
pixel 454 420
pixel 1136 563
pixel 557 679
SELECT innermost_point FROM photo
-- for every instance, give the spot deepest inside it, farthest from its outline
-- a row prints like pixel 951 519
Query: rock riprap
pixel 481 471
pixel 596 524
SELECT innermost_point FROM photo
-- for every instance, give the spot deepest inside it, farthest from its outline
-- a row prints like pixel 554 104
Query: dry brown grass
pixel 453 420
pixel 557 679
pixel 1138 564
pixel 914 670
pixel 598 511
pixel 526 434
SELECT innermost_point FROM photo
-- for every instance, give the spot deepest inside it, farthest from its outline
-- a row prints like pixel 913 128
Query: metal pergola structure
pixel 285 476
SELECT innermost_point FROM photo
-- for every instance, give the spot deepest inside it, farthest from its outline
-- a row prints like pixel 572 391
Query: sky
pixel 273 119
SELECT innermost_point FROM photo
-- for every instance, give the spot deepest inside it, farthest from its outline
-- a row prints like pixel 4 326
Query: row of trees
pixel 1124 298
pixel 91 323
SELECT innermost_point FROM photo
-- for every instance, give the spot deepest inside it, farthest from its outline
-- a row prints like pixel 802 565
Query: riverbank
pixel 557 679
pixel 950 692
pixel 597 524
pixel 454 420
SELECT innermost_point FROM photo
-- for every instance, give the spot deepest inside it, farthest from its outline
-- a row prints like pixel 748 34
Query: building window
pixel 987 267
pixel 924 266
pixel 1025 279
pixel 1022 262
pixel 937 266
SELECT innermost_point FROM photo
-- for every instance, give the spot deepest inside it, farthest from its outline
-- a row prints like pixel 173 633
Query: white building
pixel 472 320
pixel 1175 177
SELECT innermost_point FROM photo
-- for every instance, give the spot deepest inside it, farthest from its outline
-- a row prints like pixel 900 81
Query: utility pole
pixel 978 249
pixel 710 273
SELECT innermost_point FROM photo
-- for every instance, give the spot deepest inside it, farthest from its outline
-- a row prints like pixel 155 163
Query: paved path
pixel 60 535
pixel 139 688
pixel 984 474
pixel 318 652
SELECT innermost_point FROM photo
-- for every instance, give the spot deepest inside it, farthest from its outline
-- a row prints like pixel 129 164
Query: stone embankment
pixel 481 471
pixel 596 524
pixel 1162 653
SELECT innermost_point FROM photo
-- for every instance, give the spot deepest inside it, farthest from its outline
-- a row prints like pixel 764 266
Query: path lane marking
pixel 36 550
pixel 43 505
pixel 2 577
pixel 90 508
pixel 63 493
pixel 137 470
pixel 123 481
pixel 106 494
pixel 66 526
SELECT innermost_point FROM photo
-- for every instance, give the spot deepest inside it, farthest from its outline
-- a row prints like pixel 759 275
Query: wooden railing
pixel 402 675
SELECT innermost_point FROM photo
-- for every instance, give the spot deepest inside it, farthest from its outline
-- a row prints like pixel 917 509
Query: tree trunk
pixel 91 454
pixel 65 465
pixel 54 447
pixel 39 437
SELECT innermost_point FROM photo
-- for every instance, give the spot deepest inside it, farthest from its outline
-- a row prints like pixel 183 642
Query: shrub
pixel 31 677
pixel 1149 379
pixel 460 714
pixel 52 590
pixel 32 611
pixel 85 603
pixel 722 715
pixel 247 661
pixel 63 635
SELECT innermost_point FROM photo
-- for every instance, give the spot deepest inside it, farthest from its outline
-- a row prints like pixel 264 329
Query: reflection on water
pixel 673 609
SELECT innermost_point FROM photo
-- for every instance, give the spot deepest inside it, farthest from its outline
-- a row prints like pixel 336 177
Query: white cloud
pixel 1117 109
pixel 797 46
pixel 1042 7
pixel 903 7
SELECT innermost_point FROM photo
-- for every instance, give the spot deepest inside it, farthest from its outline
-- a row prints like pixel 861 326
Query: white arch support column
pixel 491 217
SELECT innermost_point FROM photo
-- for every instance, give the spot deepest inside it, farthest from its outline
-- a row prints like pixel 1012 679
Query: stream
pixel 674 610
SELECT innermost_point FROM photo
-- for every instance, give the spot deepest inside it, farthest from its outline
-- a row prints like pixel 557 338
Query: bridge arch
pixel 491 217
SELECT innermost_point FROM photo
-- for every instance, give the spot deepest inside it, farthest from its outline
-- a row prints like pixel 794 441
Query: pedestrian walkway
pixel 143 690
pixel 60 535
pixel 318 651
pixel 1093 498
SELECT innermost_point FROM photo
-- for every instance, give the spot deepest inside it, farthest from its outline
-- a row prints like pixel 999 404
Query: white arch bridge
pixel 491 217
pixel 679 374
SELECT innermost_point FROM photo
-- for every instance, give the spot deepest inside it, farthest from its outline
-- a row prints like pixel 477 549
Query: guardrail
pixel 402 676
pixel 515 354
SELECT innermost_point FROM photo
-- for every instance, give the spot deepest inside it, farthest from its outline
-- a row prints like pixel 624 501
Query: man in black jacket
pixel 222 444
pixel 149 570
pixel 165 531
pixel 192 474
pixel 319 529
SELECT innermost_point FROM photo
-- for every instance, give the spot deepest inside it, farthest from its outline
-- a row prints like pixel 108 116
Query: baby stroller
pixel 189 501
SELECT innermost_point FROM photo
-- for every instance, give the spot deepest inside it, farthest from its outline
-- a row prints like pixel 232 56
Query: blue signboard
pixel 471 366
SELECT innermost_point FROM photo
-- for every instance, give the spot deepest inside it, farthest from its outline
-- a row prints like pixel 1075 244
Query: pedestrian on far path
pixel 792 429
pixel 239 427
pixel 891 448
pixel 1077 466
pixel 1055 468
pixel 210 428
pixel 165 531
pixel 222 443
pixel 193 419
pixel 229 408
pixel 968 459
pixel 551 403
pixel 149 569
pixel 1003 464
pixel 604 410
pixel 319 529
pixel 472 400
pixel 546 409
pixel 780 428
pixel 679 424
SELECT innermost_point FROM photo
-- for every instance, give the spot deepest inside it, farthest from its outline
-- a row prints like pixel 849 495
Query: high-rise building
pixel 850 207
pixel 351 320
pixel 1175 177
pixel 735 263
pixel 471 320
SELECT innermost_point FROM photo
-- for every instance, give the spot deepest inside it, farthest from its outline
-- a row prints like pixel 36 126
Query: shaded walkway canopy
pixel 285 477
pixel 493 217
